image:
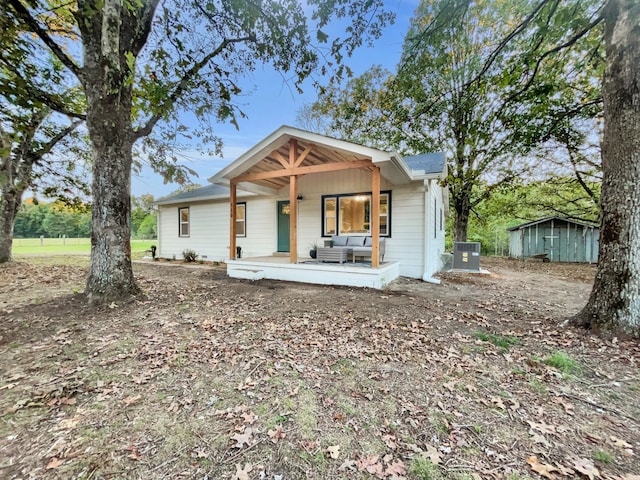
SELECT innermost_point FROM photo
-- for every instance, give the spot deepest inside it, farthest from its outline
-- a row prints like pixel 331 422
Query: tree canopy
pixel 487 109
pixel 139 64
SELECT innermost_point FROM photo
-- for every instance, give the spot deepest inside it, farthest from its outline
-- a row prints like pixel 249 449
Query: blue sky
pixel 269 103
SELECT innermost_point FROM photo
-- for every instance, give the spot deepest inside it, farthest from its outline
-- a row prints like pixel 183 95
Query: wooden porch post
pixel 375 218
pixel 293 204
pixel 293 219
pixel 232 216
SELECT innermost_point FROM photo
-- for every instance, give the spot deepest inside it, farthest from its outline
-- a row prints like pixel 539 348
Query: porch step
pixel 280 254
pixel 248 274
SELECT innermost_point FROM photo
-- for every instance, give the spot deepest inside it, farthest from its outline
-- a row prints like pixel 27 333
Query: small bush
pixel 603 457
pixel 501 341
pixel 561 361
pixel 424 469
pixel 189 255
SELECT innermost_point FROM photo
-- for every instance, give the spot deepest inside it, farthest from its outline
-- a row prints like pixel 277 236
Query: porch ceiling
pixel 318 155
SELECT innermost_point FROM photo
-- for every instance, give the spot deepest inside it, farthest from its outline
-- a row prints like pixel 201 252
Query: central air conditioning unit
pixel 466 255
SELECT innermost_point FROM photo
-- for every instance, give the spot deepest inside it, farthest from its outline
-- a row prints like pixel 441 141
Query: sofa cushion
pixel 368 242
pixel 355 241
pixel 339 240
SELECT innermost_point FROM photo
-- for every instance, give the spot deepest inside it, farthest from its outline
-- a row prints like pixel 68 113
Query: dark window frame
pixel 341 195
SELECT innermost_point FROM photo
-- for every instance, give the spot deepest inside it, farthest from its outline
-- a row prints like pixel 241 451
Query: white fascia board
pixel 171 201
pixel 388 162
pixel 223 196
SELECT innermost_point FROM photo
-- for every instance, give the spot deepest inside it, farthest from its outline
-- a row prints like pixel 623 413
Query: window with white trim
pixel 183 222
pixel 350 214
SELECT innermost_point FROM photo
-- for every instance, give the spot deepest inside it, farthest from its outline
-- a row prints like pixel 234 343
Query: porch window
pixel 183 222
pixel 241 219
pixel 330 216
pixel 350 214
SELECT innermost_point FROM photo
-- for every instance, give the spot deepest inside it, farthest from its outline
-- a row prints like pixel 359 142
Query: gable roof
pixel 548 219
pixel 266 155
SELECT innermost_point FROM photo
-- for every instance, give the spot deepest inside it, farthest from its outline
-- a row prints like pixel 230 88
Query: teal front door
pixel 283 226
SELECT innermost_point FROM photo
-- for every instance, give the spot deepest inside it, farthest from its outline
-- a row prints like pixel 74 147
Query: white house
pixel 295 189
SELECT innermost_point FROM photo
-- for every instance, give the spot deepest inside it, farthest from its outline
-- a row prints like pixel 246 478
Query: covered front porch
pixel 306 270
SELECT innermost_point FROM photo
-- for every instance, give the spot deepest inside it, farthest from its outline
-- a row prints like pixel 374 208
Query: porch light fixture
pixel 300 197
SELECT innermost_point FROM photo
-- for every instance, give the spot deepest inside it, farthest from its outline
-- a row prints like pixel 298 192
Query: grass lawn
pixel 73 246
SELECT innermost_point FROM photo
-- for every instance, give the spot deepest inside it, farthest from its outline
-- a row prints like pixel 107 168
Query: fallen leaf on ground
pixel 370 464
pixel 347 465
pixel 54 463
pixel 542 469
pixel 585 467
pixel 242 473
pixel 396 468
pixel 242 439
pixel 333 451
pixel 131 400
pixel 433 455
pixel 277 434
pixel 618 442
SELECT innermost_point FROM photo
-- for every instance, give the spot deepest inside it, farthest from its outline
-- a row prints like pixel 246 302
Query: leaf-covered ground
pixel 212 378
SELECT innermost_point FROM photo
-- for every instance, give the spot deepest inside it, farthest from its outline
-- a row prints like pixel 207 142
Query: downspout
pixel 158 230
pixel 427 238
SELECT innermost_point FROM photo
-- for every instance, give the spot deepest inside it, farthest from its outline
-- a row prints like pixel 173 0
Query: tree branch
pixel 182 85
pixel 505 41
pixel 47 147
pixel 24 15
pixel 556 49
pixel 53 103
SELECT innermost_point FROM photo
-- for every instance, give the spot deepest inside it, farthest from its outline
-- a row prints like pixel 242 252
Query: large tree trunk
pixel 461 223
pixel 109 105
pixel 614 304
pixel 462 207
pixel 10 202
pixel 16 168
pixel 110 272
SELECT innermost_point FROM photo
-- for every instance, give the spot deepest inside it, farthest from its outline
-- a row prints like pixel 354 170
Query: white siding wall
pixel 407 245
pixel 209 229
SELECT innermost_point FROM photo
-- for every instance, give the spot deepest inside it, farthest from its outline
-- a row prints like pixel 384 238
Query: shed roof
pixel 548 219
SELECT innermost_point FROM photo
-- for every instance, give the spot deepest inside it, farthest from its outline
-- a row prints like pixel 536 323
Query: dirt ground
pixel 207 377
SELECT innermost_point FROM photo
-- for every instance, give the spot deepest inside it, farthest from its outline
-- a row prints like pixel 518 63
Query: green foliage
pixel 502 341
pixel 149 227
pixel 488 107
pixel 603 457
pixel 424 469
pixel 52 220
pixel 189 255
pixel 519 202
pixel 562 362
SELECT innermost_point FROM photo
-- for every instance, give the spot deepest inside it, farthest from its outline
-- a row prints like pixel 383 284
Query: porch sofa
pixel 357 246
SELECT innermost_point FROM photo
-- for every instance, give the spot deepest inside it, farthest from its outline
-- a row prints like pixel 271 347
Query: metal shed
pixel 561 239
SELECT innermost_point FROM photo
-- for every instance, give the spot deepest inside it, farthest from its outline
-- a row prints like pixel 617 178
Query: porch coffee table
pixel 328 254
